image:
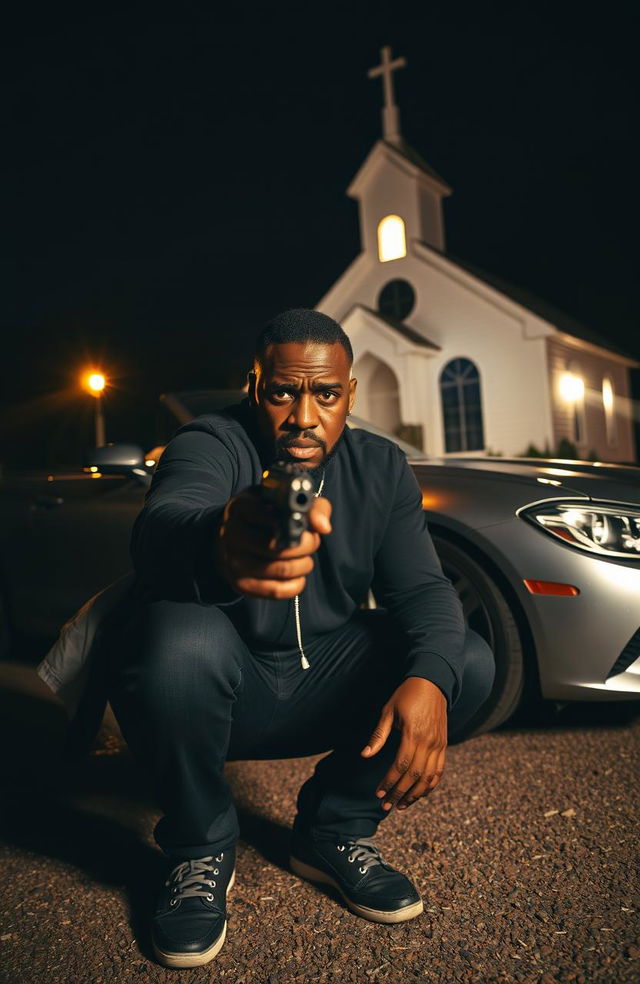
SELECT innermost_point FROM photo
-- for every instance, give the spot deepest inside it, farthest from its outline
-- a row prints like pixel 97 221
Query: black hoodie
pixel 379 541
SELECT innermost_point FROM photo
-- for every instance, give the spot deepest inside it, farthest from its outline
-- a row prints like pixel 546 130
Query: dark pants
pixel 189 695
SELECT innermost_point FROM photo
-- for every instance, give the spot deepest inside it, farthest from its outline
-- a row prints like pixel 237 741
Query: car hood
pixel 599 481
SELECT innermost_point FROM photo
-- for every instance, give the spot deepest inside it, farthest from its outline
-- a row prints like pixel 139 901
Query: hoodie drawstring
pixel 304 662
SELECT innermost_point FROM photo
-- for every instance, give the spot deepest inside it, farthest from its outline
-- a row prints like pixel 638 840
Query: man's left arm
pixel 409 582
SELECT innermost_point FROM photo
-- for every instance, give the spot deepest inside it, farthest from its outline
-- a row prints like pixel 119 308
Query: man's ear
pixel 353 382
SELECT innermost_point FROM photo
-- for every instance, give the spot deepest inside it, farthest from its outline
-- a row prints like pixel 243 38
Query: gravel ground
pixel 525 855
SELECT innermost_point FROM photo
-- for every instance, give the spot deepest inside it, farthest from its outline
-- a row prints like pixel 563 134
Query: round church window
pixel 397 299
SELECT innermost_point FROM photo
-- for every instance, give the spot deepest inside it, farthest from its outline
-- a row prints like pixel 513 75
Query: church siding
pixel 455 312
pixel 510 373
pixel 564 357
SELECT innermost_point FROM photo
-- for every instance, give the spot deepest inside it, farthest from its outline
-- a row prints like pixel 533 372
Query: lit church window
pixel 396 299
pixel 392 243
pixel 461 406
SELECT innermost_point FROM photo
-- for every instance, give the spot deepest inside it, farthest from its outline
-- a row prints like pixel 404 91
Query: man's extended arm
pixel 195 540
pixel 172 543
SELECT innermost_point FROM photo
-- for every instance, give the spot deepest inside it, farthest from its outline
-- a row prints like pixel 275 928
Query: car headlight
pixel 610 531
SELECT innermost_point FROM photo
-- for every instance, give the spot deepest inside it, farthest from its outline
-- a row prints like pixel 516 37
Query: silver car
pixel 544 554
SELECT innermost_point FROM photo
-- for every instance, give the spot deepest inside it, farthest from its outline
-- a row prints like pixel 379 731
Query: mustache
pixel 284 442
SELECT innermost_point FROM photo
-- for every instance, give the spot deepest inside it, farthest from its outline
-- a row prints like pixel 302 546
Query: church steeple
pixel 390 112
pixel 400 195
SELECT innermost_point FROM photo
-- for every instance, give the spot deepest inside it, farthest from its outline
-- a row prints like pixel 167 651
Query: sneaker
pixel 369 885
pixel 190 922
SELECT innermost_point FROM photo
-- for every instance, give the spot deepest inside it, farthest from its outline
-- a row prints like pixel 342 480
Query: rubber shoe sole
pixel 195 959
pixel 309 873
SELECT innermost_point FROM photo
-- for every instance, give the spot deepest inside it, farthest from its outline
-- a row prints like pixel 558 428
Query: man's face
pixel 301 397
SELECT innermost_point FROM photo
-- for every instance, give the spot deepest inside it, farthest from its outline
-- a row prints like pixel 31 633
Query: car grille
pixel 630 653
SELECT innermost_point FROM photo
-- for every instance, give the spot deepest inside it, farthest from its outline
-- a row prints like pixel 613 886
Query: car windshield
pixel 186 405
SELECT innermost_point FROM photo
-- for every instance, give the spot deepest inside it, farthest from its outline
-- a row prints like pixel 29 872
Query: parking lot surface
pixel 525 854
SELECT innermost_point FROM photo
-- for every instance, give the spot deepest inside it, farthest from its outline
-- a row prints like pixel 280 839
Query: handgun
pixel 290 490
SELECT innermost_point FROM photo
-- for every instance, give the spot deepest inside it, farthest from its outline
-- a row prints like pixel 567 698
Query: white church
pixel 444 355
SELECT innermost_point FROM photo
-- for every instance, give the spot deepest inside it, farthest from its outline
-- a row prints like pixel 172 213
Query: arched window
pixel 392 241
pixel 461 406
pixel 609 404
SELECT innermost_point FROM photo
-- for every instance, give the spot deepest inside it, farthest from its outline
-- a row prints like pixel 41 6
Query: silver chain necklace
pixel 296 601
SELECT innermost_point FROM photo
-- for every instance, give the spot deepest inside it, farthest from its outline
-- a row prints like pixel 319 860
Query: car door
pixel 63 537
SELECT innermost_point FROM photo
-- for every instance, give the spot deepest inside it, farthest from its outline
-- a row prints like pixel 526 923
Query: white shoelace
pixel 364 851
pixel 188 879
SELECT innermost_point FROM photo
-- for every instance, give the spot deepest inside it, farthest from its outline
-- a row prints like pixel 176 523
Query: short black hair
pixel 301 325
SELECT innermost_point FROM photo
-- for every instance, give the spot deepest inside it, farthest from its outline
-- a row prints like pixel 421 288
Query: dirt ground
pixel 526 856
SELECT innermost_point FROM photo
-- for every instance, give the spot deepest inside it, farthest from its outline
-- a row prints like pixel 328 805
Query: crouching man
pixel 236 649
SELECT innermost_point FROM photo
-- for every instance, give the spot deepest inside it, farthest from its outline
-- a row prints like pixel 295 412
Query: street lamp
pixel 94 383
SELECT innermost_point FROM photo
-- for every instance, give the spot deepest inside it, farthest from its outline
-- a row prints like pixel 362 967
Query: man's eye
pixel 328 395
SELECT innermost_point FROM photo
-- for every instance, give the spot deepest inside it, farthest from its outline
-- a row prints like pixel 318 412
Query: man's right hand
pixel 246 554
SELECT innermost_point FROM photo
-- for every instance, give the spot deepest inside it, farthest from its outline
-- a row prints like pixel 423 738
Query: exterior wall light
pixel 571 387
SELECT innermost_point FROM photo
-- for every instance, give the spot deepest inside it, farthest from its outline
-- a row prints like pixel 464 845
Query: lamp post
pixel 94 383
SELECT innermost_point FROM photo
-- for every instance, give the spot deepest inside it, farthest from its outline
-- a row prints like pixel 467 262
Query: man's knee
pixel 178 648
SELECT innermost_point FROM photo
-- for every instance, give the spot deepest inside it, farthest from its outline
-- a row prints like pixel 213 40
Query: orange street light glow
pixel 94 382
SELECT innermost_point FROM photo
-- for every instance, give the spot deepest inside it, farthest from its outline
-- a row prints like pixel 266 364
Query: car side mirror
pixel 119 459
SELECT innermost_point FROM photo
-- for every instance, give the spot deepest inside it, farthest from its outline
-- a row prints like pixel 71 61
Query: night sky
pixel 172 178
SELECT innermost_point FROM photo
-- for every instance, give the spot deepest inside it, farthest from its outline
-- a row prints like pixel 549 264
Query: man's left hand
pixel 418 708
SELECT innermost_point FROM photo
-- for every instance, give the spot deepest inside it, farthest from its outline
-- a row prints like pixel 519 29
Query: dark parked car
pixel 544 554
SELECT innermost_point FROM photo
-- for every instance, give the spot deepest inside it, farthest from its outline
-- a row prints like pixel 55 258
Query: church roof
pixel 560 320
pixel 403 148
pixel 407 155
pixel 409 333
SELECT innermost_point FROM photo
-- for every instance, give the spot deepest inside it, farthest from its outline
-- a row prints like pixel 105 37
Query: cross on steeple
pixel 390 113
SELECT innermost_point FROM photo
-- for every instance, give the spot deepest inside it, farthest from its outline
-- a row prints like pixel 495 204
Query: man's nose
pixel 303 414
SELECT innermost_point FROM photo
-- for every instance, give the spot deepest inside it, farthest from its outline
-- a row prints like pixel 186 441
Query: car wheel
pixel 487 612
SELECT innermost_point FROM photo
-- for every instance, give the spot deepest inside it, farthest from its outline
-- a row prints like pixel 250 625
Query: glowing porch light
pixel 392 242
pixel 571 387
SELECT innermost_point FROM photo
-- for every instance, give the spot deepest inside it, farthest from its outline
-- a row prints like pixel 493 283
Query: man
pixel 236 649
